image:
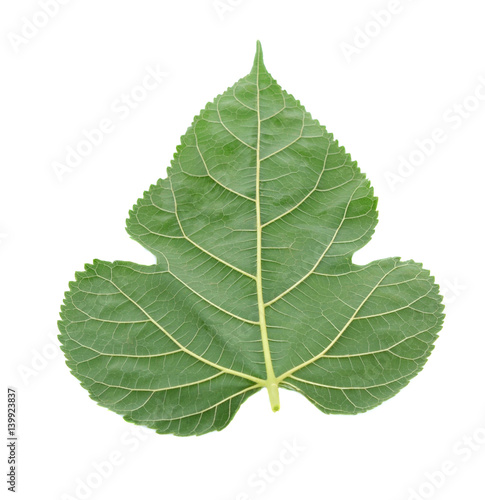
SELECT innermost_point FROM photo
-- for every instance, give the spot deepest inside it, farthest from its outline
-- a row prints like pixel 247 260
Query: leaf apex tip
pixel 258 57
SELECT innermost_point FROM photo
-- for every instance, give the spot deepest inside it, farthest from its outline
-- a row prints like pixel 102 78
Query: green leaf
pixel 254 287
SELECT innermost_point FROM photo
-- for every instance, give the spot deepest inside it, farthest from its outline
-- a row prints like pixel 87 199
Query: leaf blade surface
pixel 254 231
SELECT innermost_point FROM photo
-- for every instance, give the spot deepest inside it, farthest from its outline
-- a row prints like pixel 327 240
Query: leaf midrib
pixel 271 383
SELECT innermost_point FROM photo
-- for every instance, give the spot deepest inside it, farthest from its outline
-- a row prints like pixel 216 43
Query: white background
pixel 409 78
